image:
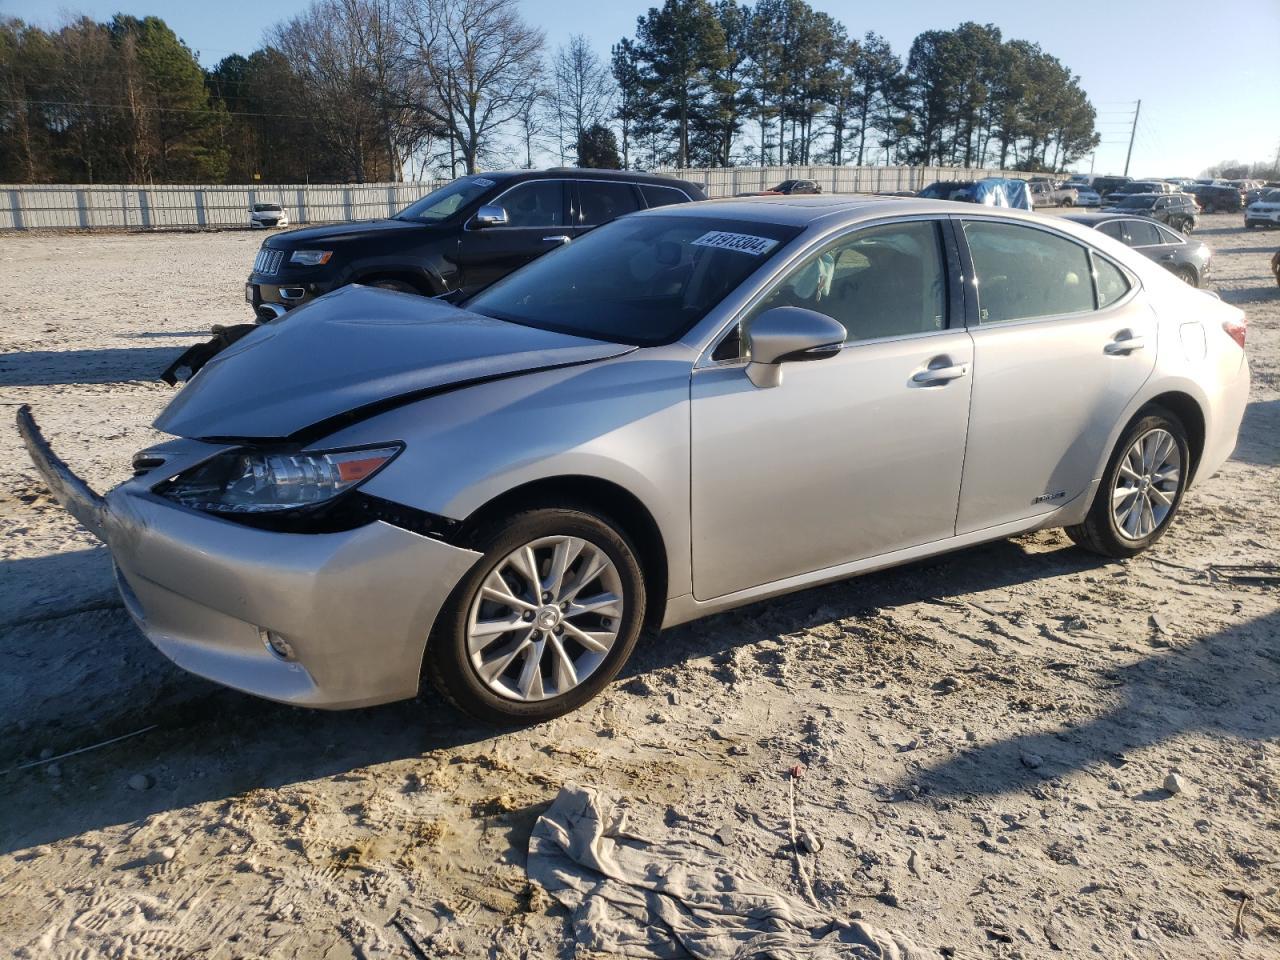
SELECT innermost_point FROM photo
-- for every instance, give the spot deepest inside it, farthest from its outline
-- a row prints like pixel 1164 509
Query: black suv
pixel 1214 198
pixel 457 239
pixel 1178 210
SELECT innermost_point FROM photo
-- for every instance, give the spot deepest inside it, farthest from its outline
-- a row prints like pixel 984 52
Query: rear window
pixel 640 280
pixel 1112 284
pixel 656 196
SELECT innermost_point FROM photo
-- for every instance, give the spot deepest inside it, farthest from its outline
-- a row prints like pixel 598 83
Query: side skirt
pixel 685 608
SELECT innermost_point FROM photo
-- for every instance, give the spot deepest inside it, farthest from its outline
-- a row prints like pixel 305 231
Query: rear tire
pixel 1128 515
pixel 492 655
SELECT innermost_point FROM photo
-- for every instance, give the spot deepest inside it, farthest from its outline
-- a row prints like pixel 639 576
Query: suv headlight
pixel 310 258
pixel 271 481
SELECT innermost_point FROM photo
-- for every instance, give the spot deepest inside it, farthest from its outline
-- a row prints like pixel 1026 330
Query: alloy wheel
pixel 545 618
pixel 1146 484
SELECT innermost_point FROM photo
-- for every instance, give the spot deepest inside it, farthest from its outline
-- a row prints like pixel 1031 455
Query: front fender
pixel 624 421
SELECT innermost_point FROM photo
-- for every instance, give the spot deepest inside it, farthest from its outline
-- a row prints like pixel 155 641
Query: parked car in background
pixel 457 239
pixel 1086 196
pixel 1256 193
pixel 786 188
pixel 688 410
pixel 1136 186
pixel 990 191
pixel 1046 193
pixel 1107 184
pixel 1264 211
pixel 1176 209
pixel 1215 198
pixel 1187 259
pixel 266 215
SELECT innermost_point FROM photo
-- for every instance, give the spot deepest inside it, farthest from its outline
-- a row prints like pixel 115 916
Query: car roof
pixel 585 173
pixel 1093 219
pixel 826 208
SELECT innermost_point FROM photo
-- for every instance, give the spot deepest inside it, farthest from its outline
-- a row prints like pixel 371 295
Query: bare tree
pixel 363 94
pixel 478 60
pixel 583 91
pixel 533 122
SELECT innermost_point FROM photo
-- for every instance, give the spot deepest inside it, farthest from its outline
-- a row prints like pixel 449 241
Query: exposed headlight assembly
pixel 310 258
pixel 247 481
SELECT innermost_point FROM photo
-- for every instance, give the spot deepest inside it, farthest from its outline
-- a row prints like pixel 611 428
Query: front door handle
pixel 941 374
pixel 1124 347
pixel 560 239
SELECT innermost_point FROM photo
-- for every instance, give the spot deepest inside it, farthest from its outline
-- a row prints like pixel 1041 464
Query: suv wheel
pixel 1141 489
pixel 543 621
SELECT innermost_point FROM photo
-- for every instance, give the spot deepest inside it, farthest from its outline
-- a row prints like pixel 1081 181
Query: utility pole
pixel 1133 133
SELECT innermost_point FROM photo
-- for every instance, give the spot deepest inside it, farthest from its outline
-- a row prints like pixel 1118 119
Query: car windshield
pixel 783 187
pixel 640 280
pixel 266 208
pixel 443 203
pixel 1271 196
pixel 1138 203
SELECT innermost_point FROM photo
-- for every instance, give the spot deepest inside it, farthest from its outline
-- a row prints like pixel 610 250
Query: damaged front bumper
pixel 353 609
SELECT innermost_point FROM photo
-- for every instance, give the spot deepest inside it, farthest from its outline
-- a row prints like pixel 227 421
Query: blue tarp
pixel 1002 192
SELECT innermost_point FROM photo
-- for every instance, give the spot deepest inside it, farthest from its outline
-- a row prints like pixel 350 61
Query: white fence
pixel 126 207
pixel 132 207
pixel 728 181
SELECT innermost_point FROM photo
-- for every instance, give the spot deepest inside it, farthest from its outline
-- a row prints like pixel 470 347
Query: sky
pixel 1208 74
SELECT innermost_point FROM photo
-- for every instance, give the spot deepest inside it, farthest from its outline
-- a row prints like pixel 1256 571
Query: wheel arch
pixel 416 277
pixel 612 500
pixel 1188 410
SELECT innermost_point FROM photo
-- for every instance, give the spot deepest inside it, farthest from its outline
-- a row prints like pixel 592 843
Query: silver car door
pixel 1056 361
pixel 851 456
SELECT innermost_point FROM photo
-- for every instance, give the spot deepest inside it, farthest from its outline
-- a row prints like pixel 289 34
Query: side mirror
pixel 789 335
pixel 489 215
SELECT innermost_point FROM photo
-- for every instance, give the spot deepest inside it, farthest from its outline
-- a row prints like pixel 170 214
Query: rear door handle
pixel 941 374
pixel 560 239
pixel 1123 347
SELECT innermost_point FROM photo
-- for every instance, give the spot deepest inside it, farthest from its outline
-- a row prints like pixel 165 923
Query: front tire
pixel 543 622
pixel 1141 489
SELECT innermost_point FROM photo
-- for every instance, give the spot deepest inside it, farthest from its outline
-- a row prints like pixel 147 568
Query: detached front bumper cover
pixel 76 496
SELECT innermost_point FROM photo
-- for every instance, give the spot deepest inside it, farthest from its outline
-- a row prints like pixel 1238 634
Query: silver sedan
pixel 686 410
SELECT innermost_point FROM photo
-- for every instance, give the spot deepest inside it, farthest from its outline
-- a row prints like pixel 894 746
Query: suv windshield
pixel 443 203
pixel 1138 203
pixel 643 281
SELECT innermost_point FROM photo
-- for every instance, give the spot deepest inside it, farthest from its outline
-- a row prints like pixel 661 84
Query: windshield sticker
pixel 482 182
pixel 741 242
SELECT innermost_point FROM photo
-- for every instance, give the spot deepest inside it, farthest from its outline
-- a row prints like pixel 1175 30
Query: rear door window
pixel 1024 272
pixel 604 200
pixel 1141 234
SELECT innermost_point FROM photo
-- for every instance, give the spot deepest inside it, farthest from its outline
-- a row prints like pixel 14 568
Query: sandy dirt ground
pixel 985 737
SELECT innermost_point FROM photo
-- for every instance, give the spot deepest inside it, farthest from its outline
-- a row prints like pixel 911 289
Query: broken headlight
pixel 270 481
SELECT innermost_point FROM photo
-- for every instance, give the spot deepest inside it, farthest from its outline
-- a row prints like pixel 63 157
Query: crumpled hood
pixel 353 349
